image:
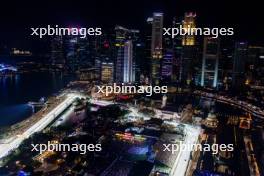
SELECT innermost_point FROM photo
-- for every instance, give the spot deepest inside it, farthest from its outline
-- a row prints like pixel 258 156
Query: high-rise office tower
pixel 104 45
pixel 225 64
pixel 82 52
pixel 239 61
pixel 188 23
pixel 137 53
pixel 129 72
pixel 102 50
pixel 94 54
pixel 177 52
pixel 156 46
pixel 139 59
pixel 121 34
pixel 72 60
pixel 107 71
pixel 146 62
pixel 255 64
pixel 187 65
pixel 167 60
pixel 253 54
pixel 57 56
pixel 166 66
pixel 210 64
pixel 189 50
pixel 125 62
pixel 119 47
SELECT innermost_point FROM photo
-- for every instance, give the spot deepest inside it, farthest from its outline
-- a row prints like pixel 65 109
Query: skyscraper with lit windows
pixel 71 48
pixel 57 52
pixel 239 64
pixel 188 23
pixel 129 72
pixel 166 66
pixel 210 64
pixel 156 46
pixel 177 52
pixel 189 50
pixel 107 71
pixel 125 61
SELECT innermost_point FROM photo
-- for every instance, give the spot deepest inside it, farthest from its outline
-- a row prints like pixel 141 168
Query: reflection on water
pixel 17 90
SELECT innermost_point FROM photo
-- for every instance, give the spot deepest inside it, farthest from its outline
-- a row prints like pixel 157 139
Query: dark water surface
pixel 16 91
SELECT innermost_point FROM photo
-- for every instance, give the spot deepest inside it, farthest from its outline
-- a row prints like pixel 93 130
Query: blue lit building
pixel 210 63
pixel 167 64
pixel 125 58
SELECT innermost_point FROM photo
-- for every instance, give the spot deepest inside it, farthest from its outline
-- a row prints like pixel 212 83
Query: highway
pixel 15 141
pixel 181 163
pixel 256 111
pixel 6 148
pixel 101 102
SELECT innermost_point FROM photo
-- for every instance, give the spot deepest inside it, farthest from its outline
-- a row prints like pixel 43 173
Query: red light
pixel 106 44
pixel 123 97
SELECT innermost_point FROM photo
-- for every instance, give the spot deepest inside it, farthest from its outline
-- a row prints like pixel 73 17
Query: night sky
pixel 16 17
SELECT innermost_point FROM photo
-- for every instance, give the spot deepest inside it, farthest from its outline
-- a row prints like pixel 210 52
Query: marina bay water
pixel 17 90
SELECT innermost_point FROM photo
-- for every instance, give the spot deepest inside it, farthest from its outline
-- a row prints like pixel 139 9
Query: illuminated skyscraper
pixel 72 60
pixel 239 63
pixel 83 53
pixel 166 66
pixel 177 52
pixel 156 46
pixel 57 56
pixel 167 60
pixel 211 52
pixel 94 54
pixel 129 72
pixel 107 71
pixel 225 64
pixel 156 40
pixel 188 23
pixel 120 38
pixel 189 50
pixel 125 62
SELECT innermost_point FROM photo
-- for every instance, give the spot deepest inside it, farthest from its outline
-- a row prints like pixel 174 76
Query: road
pixel 179 168
pixel 6 148
pixel 256 111
pixel 183 158
pixel 15 141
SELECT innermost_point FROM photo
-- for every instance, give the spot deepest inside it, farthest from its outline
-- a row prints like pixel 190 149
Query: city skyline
pixel 16 30
pixel 131 88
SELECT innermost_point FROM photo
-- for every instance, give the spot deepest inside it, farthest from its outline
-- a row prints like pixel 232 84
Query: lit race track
pixel 192 133
pixel 101 102
pixel 181 162
pixel 5 149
